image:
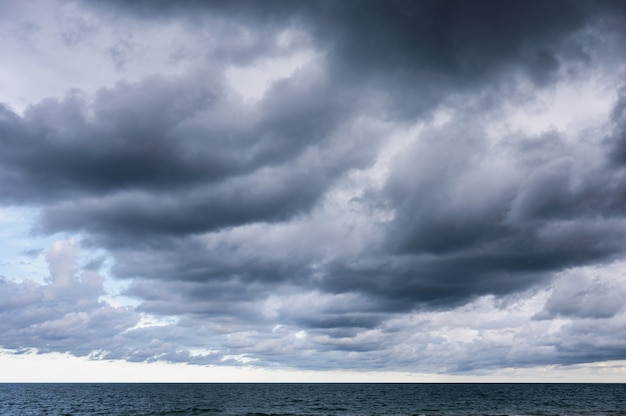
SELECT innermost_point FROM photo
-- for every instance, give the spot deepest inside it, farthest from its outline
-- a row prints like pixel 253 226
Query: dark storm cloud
pixel 136 141
pixel 473 219
pixel 617 140
pixel 452 238
pixel 411 53
pixel 56 151
pixel 230 204
pixel 164 156
pixel 172 174
pixel 446 38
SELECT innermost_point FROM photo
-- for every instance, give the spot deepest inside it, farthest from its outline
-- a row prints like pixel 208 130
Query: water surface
pixel 295 399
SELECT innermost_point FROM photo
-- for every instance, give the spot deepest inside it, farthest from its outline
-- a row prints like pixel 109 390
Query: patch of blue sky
pixel 23 254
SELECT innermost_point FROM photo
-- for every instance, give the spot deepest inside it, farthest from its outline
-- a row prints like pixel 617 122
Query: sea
pixel 296 399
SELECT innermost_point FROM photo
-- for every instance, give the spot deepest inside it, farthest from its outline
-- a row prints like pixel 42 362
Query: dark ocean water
pixel 312 399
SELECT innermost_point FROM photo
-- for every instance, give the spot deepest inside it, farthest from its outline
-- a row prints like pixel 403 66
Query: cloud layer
pixel 413 195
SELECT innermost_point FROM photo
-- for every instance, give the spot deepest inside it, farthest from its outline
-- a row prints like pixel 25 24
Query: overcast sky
pixel 356 188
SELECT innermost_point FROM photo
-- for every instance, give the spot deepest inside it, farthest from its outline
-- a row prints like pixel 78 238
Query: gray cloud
pixel 271 167
pixel 299 217
pixel 584 297
pixel 63 314
pixel 617 140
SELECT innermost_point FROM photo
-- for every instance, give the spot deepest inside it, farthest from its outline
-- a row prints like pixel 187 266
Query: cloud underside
pixel 381 206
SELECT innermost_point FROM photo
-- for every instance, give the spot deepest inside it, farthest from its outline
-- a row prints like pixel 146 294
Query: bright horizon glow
pixel 55 367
